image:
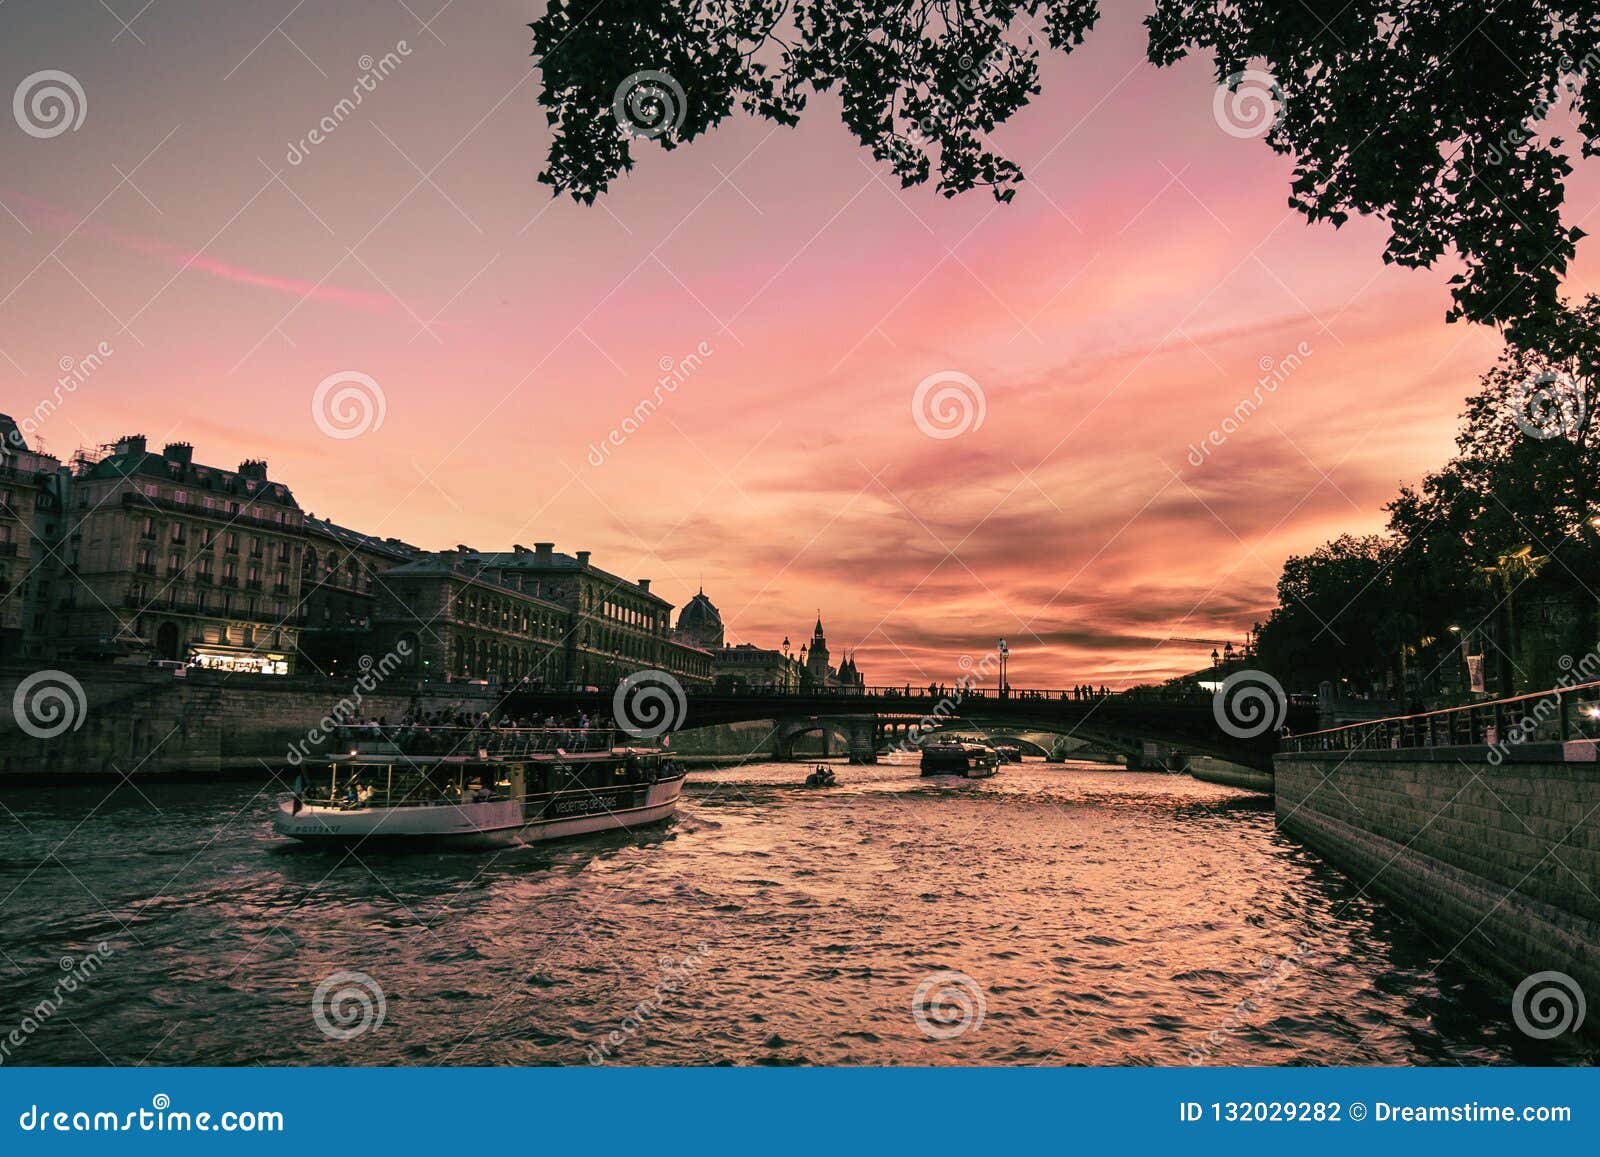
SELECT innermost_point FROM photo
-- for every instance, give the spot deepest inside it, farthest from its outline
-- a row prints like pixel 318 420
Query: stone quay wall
pixel 142 721
pixel 1500 861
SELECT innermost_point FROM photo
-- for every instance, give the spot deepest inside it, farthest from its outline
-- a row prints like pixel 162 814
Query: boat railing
pixel 502 742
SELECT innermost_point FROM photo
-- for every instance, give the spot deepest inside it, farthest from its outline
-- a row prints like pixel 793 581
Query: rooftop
pixel 130 457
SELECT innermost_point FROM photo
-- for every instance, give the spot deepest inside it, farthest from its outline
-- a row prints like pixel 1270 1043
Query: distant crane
pixel 1227 652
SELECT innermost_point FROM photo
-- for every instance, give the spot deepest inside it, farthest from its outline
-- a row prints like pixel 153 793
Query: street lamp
pixel 1004 651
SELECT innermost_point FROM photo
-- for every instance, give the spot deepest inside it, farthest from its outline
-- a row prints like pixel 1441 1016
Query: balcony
pixel 177 606
pixel 8 550
pixel 228 581
pixel 136 501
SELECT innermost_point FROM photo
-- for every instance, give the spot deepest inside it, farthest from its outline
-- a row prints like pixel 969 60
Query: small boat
pixel 821 777
pixel 1008 752
pixel 477 786
pixel 959 757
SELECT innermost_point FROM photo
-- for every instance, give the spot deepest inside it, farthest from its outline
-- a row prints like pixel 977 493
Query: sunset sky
pixel 1112 316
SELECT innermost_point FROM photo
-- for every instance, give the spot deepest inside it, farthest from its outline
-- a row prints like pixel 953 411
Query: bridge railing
pixel 936 692
pixel 1554 716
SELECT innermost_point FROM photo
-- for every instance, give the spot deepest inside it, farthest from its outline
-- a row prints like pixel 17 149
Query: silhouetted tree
pixel 1432 114
pixel 1335 617
pixel 1512 517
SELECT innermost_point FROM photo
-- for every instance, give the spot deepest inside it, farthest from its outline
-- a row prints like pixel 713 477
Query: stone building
pixel 747 667
pixel 529 615
pixel 465 621
pixel 700 623
pixel 31 486
pixel 339 591
pixel 814 657
pixel 179 560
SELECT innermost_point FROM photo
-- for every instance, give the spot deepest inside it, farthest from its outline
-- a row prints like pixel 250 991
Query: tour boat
pixel 1008 752
pixel 959 757
pixel 476 786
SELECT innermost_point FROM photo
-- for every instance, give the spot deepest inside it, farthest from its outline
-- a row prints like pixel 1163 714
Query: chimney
pixel 583 558
pixel 644 585
pixel 180 452
pixel 131 444
pixel 251 468
pixel 541 552
pixel 519 550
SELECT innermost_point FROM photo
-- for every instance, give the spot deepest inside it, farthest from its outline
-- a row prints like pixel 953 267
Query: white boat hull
pixel 497 821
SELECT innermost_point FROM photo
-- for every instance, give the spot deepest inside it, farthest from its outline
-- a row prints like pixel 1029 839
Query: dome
pixel 701 622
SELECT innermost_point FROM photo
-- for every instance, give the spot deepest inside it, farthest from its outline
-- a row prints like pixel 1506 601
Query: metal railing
pixel 1557 715
pixel 428 739
pixel 951 691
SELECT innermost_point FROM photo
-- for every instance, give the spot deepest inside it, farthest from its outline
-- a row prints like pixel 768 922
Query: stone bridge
pixel 1121 722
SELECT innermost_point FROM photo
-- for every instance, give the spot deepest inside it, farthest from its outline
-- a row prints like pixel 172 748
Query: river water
pixel 1055 914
